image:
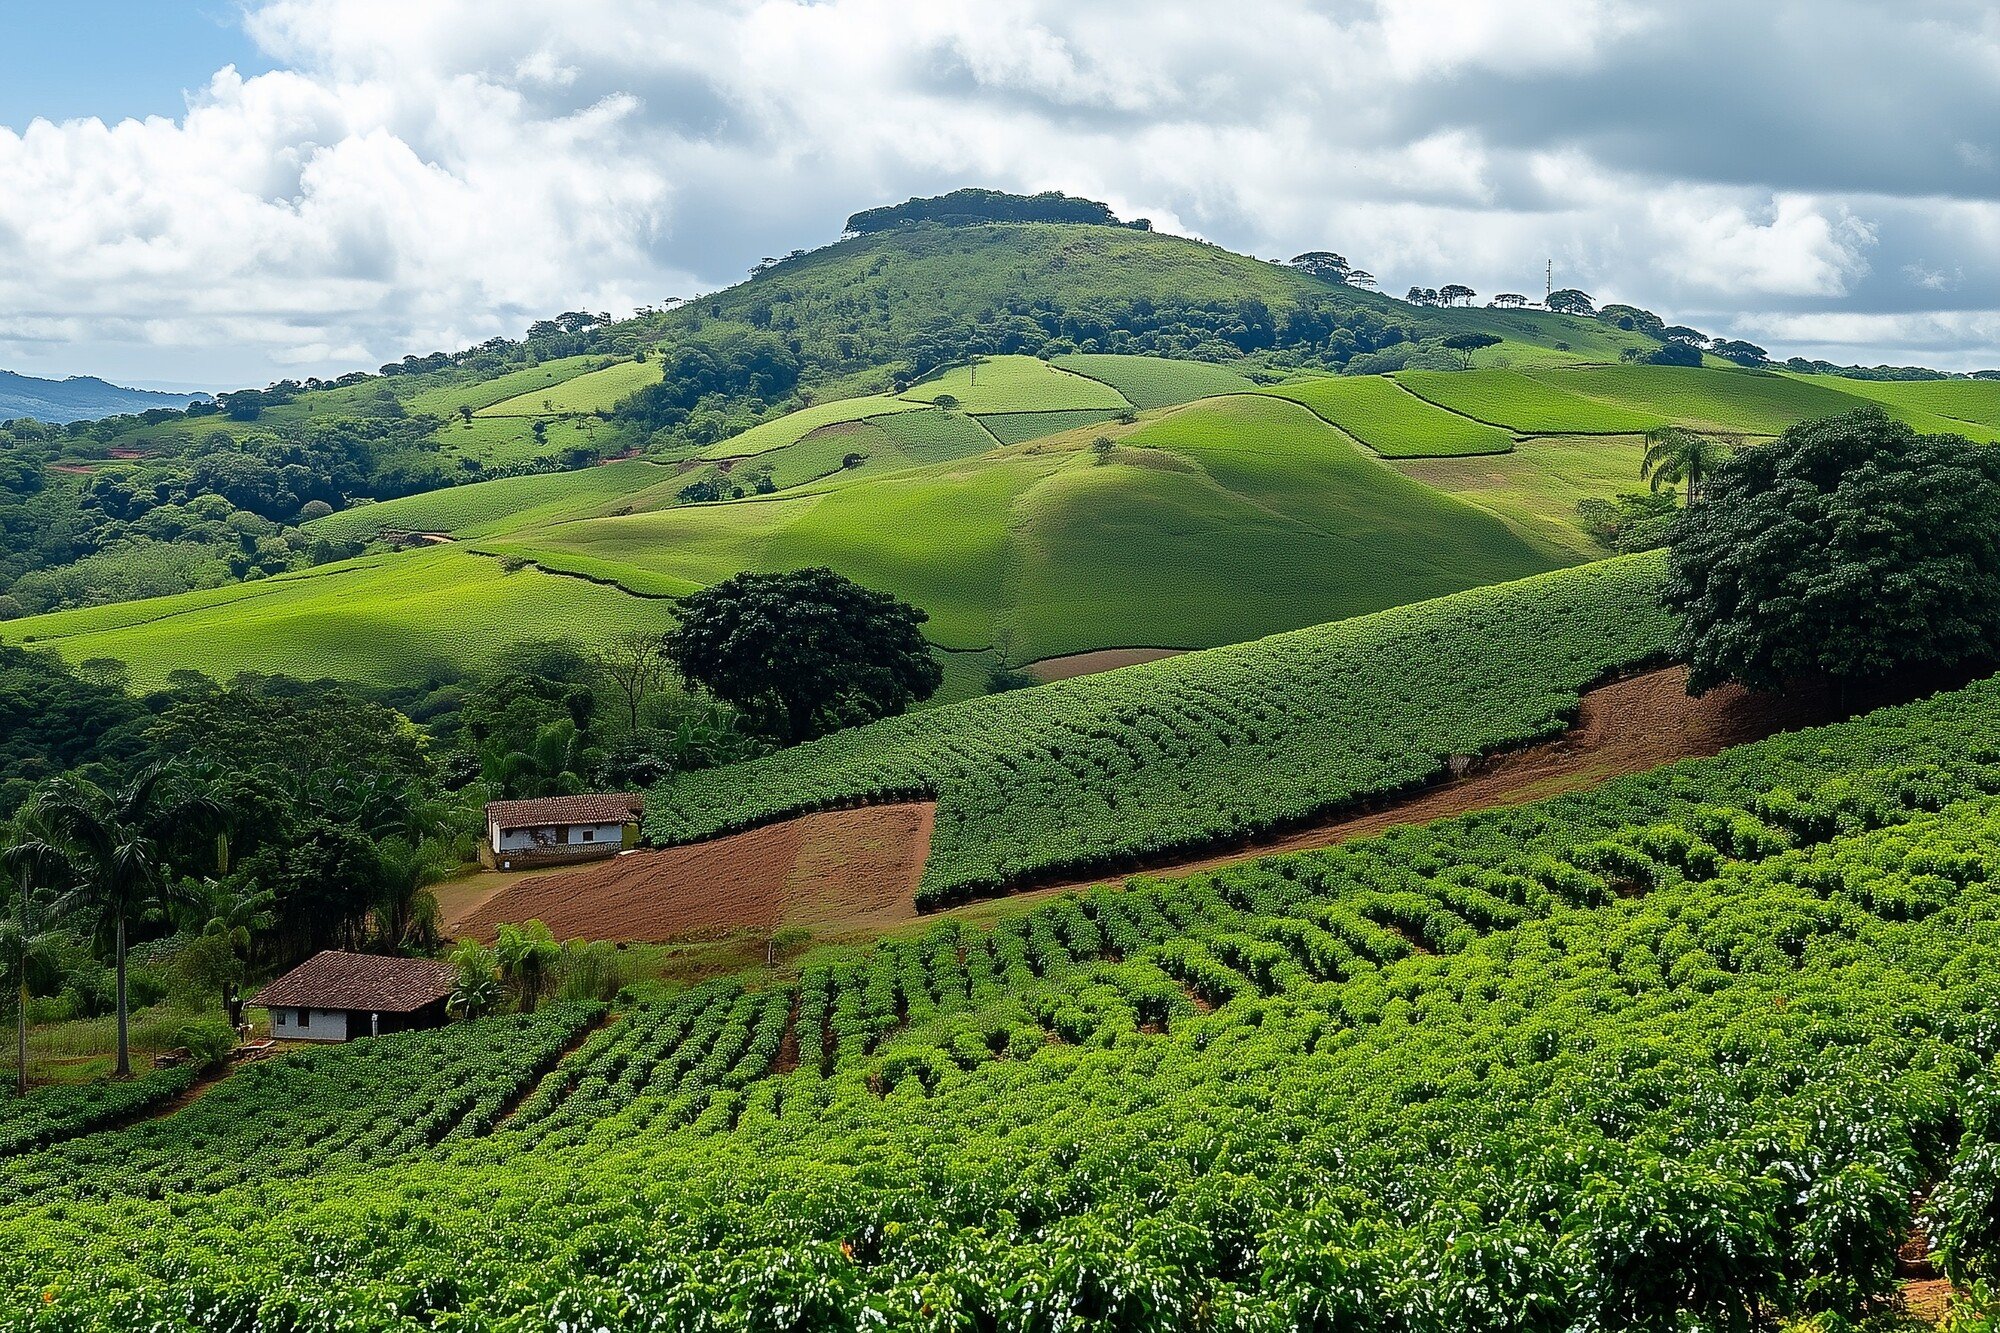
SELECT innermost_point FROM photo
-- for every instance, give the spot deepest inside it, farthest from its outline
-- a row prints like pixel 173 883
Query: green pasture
pixel 1153 381
pixel 1520 403
pixel 1967 407
pixel 1016 384
pixel 1749 402
pixel 795 426
pixel 504 504
pixel 388 619
pixel 1535 488
pixel 444 400
pixel 1020 427
pixel 596 391
pixel 936 437
pixel 1391 420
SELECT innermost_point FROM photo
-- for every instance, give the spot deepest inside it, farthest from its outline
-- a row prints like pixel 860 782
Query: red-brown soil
pixel 1089 664
pixel 855 871
pixel 1628 726
pixel 837 872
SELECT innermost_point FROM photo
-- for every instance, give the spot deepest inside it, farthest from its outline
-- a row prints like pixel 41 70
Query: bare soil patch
pixel 1089 664
pixel 855 871
pixel 837 872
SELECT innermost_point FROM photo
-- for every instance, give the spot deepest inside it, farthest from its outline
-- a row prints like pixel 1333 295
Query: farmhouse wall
pixel 320 1025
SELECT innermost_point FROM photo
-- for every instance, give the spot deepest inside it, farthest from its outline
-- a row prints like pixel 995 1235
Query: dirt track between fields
pixel 1102 659
pixel 855 871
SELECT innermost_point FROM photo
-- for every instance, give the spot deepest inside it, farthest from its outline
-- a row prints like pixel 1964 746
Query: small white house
pixel 336 996
pixel 560 829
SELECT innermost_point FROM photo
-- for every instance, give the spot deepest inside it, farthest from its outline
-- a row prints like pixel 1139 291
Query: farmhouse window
pixel 590 835
pixel 305 1018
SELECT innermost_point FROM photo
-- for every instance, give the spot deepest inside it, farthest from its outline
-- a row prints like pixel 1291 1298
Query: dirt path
pixel 855 871
pixel 1089 664
pixel 1628 726
pixel 836 872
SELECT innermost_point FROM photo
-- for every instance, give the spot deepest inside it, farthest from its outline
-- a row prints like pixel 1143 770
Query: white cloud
pixel 423 175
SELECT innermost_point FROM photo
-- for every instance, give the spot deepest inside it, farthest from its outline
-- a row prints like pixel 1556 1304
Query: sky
pixel 214 193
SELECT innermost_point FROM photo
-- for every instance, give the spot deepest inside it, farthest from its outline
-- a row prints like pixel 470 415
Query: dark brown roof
pixel 591 808
pixel 335 980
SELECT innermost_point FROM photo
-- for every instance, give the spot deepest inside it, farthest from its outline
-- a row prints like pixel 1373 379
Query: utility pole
pixel 1549 282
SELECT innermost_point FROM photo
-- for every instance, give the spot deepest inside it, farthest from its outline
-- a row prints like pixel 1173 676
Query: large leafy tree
pixel 1848 549
pixel 804 652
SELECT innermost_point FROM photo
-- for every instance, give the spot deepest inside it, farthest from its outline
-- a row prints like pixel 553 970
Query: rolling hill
pixel 78 398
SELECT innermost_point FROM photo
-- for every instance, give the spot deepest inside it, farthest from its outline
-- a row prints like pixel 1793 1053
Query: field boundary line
pixel 1516 431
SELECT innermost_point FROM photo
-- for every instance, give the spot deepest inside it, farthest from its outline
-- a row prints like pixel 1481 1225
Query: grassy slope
pixel 390 619
pixel 1278 517
pixel 1171 753
pixel 1967 407
pixel 598 391
pixel 1516 402
pixel 1151 381
pixel 1017 384
pixel 1393 421
pixel 1536 487
pixel 504 503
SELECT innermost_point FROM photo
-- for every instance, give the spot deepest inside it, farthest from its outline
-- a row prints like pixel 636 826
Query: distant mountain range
pixel 79 398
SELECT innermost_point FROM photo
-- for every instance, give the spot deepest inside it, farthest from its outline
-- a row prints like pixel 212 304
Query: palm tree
pixel 526 953
pixel 405 911
pixel 30 861
pixel 1675 454
pixel 227 916
pixel 113 844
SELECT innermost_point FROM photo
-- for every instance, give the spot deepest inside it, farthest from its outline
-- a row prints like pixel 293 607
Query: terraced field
pixel 1016 384
pixel 507 502
pixel 1745 401
pixel 1962 405
pixel 795 426
pixel 1524 405
pixel 390 619
pixel 1152 381
pixel 596 391
pixel 1393 421
pixel 1020 427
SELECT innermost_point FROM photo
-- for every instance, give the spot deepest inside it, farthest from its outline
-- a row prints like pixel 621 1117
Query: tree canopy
pixel 804 652
pixel 1849 548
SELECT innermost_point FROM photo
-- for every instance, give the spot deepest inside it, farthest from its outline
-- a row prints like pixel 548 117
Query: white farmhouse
pixel 553 830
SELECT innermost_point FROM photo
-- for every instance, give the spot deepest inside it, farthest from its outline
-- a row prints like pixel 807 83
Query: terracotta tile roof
pixel 335 980
pixel 591 808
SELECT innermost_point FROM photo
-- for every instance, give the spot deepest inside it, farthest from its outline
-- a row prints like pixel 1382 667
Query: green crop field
pixel 1152 381
pixel 1970 407
pixel 503 503
pixel 1393 421
pixel 936 437
pixel 1016 384
pixel 1536 487
pixel 386 619
pixel 1687 1051
pixel 1080 775
pixel 597 391
pixel 1020 427
pixel 445 400
pixel 795 426
pixel 1227 520
pixel 1747 401
pixel 1526 406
